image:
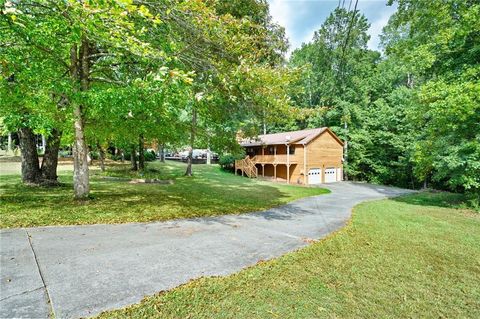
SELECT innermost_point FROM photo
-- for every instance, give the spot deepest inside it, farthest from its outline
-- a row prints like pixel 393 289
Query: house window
pixel 270 150
pixel 291 150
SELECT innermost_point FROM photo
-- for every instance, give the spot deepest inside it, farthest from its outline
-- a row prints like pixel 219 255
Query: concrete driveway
pixel 78 271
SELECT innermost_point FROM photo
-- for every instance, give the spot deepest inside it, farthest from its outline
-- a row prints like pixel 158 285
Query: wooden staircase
pixel 247 166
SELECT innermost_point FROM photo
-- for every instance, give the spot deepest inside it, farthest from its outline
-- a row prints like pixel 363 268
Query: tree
pixel 31 102
pixel 84 38
pixel 437 42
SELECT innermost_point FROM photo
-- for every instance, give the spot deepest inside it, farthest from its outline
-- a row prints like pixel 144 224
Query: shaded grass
pixel 170 170
pixel 437 198
pixel 401 258
pixel 210 192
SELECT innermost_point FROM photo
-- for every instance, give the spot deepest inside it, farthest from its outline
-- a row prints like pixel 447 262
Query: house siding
pixel 323 152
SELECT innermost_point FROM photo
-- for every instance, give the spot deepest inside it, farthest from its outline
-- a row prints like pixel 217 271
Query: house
pixel 310 156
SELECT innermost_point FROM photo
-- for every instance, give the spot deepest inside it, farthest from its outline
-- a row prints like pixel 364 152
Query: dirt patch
pixel 151 181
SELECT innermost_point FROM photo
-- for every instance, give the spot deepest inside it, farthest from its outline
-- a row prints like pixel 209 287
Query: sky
pixel 302 17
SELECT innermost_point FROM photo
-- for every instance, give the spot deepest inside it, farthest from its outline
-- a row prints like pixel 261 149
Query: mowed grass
pixel 209 192
pixel 398 258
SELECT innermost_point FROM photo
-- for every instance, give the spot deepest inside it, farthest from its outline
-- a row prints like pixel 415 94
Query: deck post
pixel 275 153
pixel 305 164
pixel 288 164
pixel 275 171
pixel 263 170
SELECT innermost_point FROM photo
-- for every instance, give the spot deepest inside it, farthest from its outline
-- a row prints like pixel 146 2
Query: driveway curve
pixel 80 271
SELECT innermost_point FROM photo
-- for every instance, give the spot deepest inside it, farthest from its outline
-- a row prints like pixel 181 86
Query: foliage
pixel 226 161
pixel 150 156
pixel 410 117
pixel 447 93
pixel 396 259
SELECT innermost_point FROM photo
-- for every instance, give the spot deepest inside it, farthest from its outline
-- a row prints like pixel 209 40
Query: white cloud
pixel 282 13
pixel 376 28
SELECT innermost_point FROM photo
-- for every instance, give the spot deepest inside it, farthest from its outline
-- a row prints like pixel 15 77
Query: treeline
pixel 95 74
pixel 410 117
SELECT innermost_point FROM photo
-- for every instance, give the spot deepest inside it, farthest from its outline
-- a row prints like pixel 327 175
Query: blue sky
pixel 302 17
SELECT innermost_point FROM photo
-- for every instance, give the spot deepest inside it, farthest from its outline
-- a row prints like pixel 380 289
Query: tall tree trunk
pixel 30 163
pixel 81 185
pixel 209 156
pixel 410 80
pixel 50 158
pixel 80 73
pixel 192 142
pixel 264 122
pixel 141 152
pixel 101 155
pixel 133 158
pixel 10 144
pixel 44 144
pixel 162 153
pixel 345 152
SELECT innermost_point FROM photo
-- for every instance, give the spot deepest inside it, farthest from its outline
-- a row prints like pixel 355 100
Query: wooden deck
pixel 248 165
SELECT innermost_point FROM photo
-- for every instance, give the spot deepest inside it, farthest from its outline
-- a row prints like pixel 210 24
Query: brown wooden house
pixel 310 156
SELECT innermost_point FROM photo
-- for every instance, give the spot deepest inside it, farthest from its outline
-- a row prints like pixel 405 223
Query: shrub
pixel 150 156
pixel 114 157
pixel 227 161
pixel 64 153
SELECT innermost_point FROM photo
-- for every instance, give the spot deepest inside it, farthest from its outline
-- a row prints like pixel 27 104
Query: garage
pixel 330 175
pixel 315 176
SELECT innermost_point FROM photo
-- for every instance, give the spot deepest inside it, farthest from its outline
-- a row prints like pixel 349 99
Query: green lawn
pixel 398 258
pixel 210 192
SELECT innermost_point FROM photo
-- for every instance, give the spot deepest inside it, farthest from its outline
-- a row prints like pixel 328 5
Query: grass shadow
pixel 434 198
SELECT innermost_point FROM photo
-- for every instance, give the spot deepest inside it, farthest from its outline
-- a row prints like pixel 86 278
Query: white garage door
pixel 315 176
pixel 330 175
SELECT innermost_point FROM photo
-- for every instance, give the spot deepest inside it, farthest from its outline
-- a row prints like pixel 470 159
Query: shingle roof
pixel 294 137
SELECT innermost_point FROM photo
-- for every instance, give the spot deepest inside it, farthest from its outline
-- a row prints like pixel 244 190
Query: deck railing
pixel 275 159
